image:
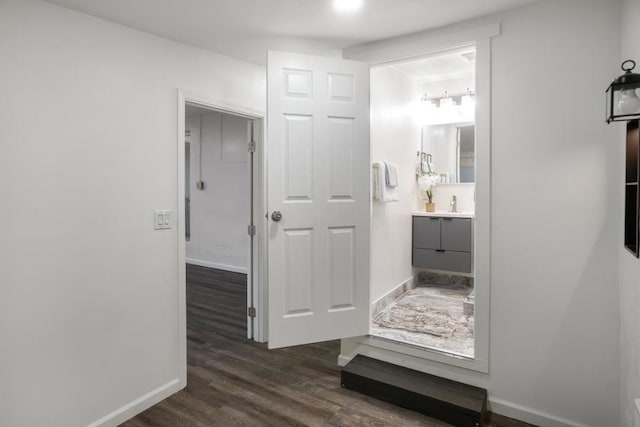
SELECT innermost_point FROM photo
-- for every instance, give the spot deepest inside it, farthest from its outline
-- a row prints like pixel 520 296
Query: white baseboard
pixel 219 266
pixel 146 401
pixel 529 415
pixel 343 360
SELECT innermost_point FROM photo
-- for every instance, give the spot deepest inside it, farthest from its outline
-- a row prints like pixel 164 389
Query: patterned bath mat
pixel 428 314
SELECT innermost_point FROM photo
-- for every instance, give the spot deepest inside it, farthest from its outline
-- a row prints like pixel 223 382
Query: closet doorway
pixel 219 236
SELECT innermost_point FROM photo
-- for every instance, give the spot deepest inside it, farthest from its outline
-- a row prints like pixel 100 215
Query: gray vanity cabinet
pixel 442 243
pixel 426 232
pixel 456 234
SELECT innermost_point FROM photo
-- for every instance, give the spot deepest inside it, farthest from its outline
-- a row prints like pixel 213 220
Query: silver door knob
pixel 276 216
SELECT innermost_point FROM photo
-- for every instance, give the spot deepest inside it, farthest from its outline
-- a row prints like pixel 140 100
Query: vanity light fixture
pixel 467 100
pixel 427 101
pixel 447 101
pixel 623 102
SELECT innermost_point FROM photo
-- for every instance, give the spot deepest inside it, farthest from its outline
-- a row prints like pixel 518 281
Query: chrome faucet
pixel 454 204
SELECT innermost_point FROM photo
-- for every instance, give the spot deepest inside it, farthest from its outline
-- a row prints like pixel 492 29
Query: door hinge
pixel 251 230
pixel 251 311
pixel 252 147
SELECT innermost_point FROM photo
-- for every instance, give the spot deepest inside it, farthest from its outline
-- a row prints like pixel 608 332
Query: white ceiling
pixel 245 29
pixel 444 66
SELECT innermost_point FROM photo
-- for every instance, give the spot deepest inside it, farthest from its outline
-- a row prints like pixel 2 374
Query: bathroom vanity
pixel 443 241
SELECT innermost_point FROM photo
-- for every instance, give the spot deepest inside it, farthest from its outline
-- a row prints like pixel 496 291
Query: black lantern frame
pixel 627 81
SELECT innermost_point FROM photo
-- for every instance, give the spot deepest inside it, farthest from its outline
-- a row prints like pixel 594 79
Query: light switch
pixel 162 219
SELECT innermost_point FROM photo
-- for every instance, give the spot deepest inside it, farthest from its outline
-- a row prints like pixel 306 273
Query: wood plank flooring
pixel 235 381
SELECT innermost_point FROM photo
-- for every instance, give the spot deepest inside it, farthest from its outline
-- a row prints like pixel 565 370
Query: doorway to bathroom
pixel 423 207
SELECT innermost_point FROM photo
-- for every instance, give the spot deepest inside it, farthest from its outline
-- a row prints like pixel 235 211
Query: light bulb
pixel 347 6
pixel 446 103
pixel 629 103
pixel 467 102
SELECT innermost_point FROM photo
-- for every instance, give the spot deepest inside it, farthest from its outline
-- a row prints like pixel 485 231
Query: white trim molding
pixel 421 45
pixel 529 415
pixel 144 402
pixel 417 45
pixel 419 358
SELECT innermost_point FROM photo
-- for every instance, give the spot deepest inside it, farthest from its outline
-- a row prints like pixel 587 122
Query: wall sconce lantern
pixel 623 102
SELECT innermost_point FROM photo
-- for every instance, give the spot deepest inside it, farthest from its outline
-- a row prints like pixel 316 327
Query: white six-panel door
pixel 318 180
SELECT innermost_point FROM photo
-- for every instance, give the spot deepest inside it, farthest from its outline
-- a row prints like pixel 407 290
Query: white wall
pixel 88 131
pixel 465 196
pixel 629 265
pixel 219 212
pixel 395 137
pixel 556 180
pixel 554 294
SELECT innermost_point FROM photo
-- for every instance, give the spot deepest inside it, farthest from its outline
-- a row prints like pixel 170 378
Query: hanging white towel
pixel 381 191
pixel 425 168
pixel 391 174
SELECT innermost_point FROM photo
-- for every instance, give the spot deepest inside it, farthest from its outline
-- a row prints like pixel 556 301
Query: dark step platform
pixel 449 401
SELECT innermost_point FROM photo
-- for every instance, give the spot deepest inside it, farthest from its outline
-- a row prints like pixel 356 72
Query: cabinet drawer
pixel 442 260
pixel 456 234
pixel 426 232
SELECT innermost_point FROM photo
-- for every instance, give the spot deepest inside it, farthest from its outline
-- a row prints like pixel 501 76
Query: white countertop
pixel 446 214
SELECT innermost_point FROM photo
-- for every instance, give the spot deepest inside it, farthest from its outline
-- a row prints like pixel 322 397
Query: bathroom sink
pixel 449 213
pixel 464 214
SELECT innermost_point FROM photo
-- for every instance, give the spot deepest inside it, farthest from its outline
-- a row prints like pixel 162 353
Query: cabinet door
pixel 442 260
pixel 456 234
pixel 426 232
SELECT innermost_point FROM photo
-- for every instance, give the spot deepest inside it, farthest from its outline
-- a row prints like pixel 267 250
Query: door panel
pixel 340 158
pixel 342 272
pixel 456 234
pixel 298 259
pixel 318 178
pixel 298 143
pixel 426 232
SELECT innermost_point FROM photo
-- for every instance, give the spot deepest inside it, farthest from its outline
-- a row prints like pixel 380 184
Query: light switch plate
pixel 162 219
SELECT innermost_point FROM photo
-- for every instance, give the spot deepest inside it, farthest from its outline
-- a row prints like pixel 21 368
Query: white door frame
pixel 258 269
pixel 414 47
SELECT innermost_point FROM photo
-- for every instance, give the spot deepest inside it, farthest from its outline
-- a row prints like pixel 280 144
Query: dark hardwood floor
pixel 235 381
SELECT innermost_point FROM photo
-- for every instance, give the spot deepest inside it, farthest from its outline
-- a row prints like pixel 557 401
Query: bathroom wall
pixel 219 212
pixel 395 137
pixel 465 196
pixel 629 265
pixel 554 356
pixel 88 289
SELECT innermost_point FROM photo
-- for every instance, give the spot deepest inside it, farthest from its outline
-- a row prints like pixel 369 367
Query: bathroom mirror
pixel 452 149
